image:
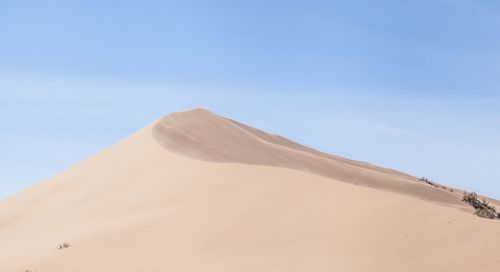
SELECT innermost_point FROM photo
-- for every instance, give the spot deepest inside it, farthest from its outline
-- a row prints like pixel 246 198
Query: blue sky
pixel 412 85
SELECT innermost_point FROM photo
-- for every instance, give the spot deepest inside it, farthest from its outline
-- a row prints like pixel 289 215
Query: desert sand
pixel 198 192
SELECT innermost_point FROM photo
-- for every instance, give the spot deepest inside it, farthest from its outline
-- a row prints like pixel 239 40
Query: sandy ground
pixel 197 192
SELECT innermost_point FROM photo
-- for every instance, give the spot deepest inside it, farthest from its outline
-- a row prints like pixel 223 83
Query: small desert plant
pixel 483 208
pixel 426 180
pixel 432 183
pixel 63 246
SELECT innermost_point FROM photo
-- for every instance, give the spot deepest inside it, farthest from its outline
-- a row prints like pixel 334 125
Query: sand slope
pixel 143 205
pixel 203 135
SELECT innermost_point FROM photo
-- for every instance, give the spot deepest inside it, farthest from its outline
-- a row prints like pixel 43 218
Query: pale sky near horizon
pixel 410 85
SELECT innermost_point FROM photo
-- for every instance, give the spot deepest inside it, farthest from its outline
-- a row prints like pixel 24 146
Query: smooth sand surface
pixel 197 192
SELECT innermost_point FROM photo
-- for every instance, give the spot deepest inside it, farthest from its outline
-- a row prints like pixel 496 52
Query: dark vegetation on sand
pixel 482 207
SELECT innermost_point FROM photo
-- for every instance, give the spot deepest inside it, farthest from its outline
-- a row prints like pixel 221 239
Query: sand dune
pixel 203 135
pixel 198 192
